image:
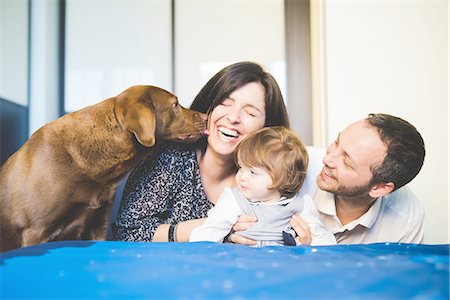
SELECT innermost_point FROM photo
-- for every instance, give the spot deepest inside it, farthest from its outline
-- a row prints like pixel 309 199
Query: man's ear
pixel 381 189
pixel 140 120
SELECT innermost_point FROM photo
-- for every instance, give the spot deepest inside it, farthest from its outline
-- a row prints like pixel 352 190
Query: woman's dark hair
pixel 405 150
pixel 226 81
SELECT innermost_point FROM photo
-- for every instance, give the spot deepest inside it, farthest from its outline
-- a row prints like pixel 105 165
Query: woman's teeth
pixel 229 132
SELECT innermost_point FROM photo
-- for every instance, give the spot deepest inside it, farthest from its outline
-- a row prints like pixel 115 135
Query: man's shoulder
pixel 405 203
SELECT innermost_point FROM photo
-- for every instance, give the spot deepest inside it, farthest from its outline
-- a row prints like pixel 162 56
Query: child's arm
pixel 221 219
pixel 319 234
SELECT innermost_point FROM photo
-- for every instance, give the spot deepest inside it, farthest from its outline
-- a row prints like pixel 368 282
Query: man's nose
pixel 330 159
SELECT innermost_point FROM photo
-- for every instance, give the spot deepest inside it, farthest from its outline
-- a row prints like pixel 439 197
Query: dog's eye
pixel 175 105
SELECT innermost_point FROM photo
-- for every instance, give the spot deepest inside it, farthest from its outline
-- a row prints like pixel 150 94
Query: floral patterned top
pixel 165 188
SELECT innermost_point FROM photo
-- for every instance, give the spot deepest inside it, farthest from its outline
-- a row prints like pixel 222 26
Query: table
pixel 204 270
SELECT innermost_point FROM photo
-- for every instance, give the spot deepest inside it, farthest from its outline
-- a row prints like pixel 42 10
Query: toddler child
pixel 272 167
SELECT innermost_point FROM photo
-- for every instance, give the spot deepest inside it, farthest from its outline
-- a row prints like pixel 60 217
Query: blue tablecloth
pixel 84 269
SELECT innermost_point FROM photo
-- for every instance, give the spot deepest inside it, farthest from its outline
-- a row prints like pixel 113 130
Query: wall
pixel 14 51
pixel 44 77
pixel 131 42
pixel 387 57
pixel 210 35
pixel 112 46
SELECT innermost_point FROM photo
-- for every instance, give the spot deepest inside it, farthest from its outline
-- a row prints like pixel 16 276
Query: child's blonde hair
pixel 281 153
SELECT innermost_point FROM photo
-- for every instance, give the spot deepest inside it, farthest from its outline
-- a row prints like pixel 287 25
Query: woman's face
pixel 239 115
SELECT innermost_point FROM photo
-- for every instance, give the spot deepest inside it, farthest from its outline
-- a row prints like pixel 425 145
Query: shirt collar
pixel 368 219
pixel 282 201
pixel 326 205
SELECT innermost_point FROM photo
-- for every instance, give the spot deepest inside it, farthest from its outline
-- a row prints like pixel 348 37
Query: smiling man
pixel 360 199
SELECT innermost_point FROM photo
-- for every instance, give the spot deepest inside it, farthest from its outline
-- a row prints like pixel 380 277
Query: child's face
pixel 254 184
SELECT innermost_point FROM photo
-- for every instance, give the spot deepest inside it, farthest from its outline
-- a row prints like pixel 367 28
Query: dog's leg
pixel 87 223
pixel 32 236
pixel 74 224
pixel 9 237
pixel 98 226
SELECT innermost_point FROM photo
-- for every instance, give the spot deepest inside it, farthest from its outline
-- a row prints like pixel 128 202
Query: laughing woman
pixel 170 192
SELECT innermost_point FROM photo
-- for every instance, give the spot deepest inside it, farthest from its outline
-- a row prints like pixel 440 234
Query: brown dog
pixel 60 185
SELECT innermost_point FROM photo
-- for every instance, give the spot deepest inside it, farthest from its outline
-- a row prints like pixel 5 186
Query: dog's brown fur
pixel 60 185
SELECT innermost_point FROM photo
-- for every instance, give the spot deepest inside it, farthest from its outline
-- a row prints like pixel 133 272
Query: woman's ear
pixel 381 189
pixel 140 120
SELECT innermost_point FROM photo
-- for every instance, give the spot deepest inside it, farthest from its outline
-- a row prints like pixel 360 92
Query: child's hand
pixel 302 229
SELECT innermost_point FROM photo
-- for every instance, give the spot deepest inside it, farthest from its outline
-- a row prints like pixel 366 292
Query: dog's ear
pixel 140 120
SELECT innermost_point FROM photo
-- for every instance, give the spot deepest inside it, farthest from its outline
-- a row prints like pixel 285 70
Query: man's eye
pixel 348 165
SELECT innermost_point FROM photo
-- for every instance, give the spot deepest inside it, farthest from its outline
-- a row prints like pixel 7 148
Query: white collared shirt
pixel 397 217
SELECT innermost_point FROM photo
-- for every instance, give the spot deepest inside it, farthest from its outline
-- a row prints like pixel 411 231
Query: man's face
pixel 348 162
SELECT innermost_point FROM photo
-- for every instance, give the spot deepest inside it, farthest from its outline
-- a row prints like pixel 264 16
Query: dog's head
pixel 152 113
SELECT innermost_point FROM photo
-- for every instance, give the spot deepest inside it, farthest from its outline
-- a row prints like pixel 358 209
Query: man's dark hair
pixel 405 150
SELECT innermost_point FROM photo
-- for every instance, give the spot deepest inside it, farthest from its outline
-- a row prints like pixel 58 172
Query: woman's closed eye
pixel 252 112
pixel 227 102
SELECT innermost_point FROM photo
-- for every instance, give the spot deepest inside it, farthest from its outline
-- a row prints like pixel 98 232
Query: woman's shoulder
pixel 170 154
pixel 178 150
pixel 165 157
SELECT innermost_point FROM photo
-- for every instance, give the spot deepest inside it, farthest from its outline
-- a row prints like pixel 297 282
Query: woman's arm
pixel 145 200
pixel 220 219
pixel 244 222
pixel 163 189
pixel 183 231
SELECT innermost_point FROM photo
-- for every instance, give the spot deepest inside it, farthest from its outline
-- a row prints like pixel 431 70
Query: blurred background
pixel 335 61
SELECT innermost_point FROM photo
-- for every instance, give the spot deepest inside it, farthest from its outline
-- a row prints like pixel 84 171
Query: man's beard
pixel 348 191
